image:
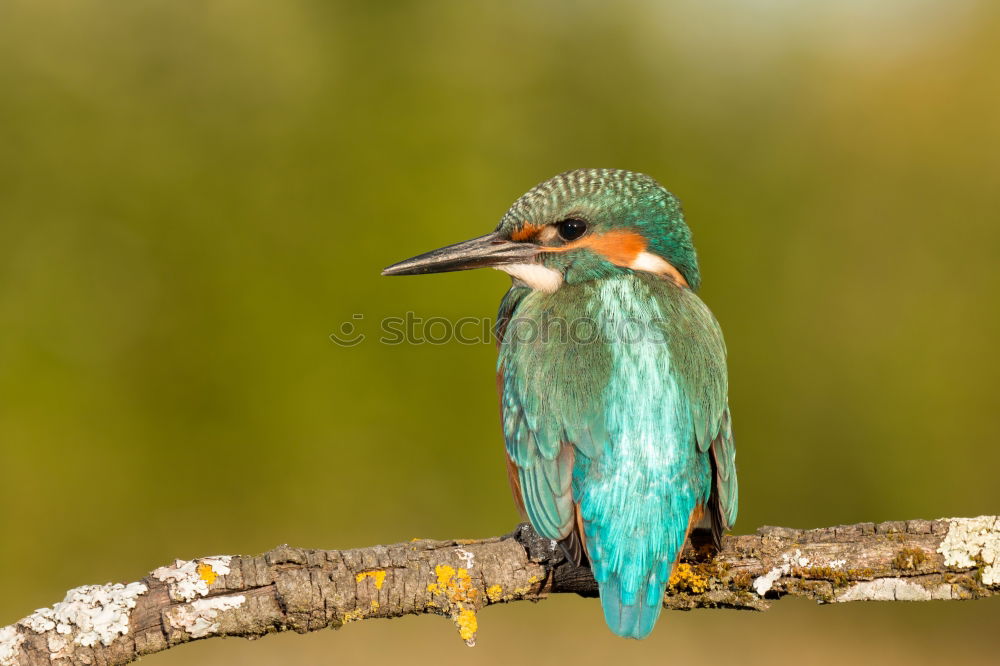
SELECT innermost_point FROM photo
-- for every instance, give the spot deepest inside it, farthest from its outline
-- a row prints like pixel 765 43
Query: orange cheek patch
pixel 529 230
pixel 618 247
pixel 624 248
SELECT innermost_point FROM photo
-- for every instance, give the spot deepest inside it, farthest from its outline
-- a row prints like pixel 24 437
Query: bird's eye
pixel 571 229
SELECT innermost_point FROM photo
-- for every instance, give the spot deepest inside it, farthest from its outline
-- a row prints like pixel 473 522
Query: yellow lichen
pixel 523 590
pixel 838 577
pixel 352 615
pixel 684 579
pixel 742 580
pixel 444 574
pixel 377 576
pixel 467 625
pixel 207 573
pixel 494 593
pixel 456 588
pixel 455 585
pixel 909 558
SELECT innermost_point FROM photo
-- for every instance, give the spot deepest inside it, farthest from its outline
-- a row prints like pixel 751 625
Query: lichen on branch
pixel 305 590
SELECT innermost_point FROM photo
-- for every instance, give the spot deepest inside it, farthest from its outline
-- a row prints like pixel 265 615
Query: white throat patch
pixel 536 276
pixel 647 261
pixel 651 263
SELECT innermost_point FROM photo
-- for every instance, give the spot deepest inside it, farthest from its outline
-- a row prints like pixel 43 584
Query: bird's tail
pixel 632 570
pixel 632 615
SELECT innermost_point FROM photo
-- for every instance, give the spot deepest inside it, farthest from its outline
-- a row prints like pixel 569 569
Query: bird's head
pixel 580 225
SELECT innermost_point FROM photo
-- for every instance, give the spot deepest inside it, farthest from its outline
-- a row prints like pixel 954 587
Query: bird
pixel 612 378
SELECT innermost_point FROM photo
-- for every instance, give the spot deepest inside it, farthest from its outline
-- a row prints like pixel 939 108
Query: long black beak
pixel 486 251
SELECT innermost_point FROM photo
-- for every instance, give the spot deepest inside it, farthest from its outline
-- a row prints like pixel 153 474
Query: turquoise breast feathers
pixel 612 394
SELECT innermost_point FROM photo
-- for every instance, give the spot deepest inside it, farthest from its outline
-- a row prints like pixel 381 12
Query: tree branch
pixel 305 590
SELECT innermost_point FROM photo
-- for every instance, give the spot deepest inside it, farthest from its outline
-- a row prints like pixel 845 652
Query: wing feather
pixel 725 491
pixel 540 456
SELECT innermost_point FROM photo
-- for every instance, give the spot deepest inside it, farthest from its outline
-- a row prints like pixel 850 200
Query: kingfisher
pixel 612 379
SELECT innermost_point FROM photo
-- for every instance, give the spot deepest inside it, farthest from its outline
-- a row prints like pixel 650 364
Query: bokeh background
pixel 193 196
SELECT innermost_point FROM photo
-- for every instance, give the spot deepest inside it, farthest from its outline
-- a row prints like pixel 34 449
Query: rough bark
pixel 304 590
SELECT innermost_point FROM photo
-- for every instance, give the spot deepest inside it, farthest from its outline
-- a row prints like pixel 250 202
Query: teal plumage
pixel 615 425
pixel 612 378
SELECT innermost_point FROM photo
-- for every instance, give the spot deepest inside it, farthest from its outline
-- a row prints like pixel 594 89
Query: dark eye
pixel 570 230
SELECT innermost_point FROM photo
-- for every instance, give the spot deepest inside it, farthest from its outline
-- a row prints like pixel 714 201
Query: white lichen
pixel 893 589
pixel 199 618
pixel 468 557
pixel 189 579
pixel 89 614
pixel 974 541
pixel 762 584
pixel 10 645
pixel 58 645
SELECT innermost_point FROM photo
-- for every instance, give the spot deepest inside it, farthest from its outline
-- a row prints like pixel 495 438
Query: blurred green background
pixel 193 196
